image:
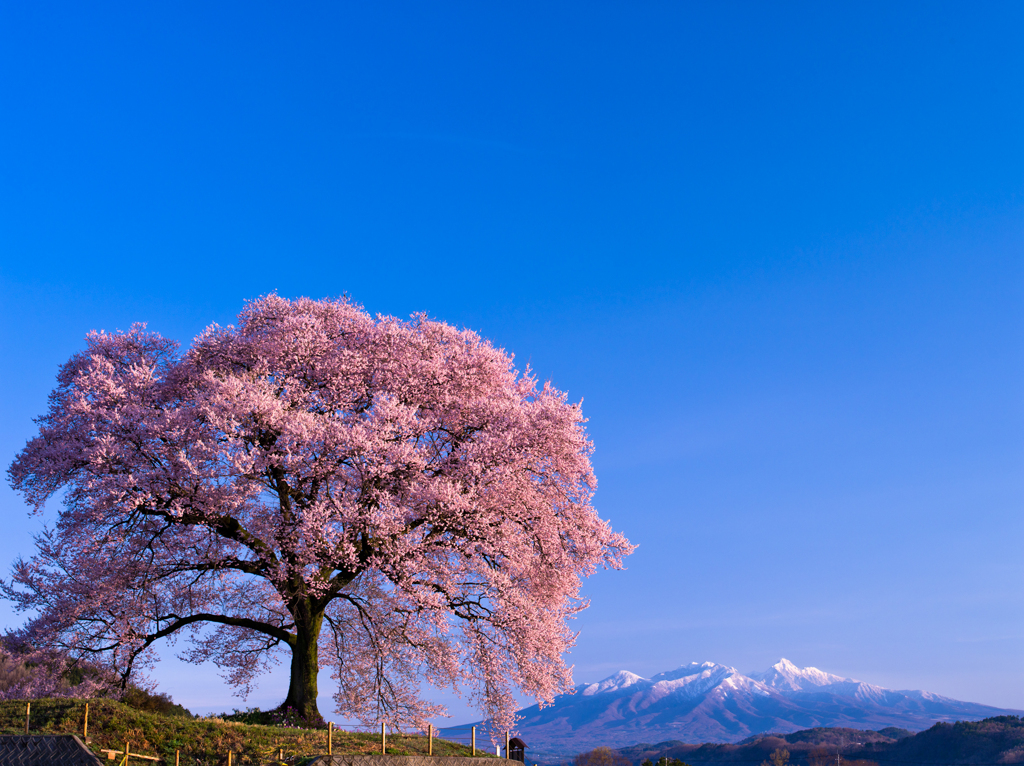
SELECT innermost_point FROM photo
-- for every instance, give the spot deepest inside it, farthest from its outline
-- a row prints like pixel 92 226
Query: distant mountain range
pixel 714 703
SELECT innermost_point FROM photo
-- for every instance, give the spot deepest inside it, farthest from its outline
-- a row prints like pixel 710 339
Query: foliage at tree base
pixel 282 717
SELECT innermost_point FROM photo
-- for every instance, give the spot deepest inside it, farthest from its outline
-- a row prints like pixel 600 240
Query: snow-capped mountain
pixel 707 702
pixel 785 676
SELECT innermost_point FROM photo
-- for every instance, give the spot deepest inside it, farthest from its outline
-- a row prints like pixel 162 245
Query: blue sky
pixel 775 248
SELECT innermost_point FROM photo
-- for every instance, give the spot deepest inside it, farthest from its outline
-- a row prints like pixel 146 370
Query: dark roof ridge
pixel 45 750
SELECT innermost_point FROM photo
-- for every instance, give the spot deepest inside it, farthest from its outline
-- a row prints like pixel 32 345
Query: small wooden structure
pixel 516 750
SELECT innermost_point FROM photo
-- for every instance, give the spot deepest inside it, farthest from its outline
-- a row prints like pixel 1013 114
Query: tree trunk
pixel 305 664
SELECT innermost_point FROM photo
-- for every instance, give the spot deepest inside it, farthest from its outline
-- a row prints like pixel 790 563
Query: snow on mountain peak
pixel 693 669
pixel 785 675
pixel 699 677
pixel 613 683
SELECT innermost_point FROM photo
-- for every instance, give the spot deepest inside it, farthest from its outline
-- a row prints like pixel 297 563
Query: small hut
pixel 516 750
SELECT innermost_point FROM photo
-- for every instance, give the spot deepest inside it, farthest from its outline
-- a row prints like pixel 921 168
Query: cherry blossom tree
pixel 390 499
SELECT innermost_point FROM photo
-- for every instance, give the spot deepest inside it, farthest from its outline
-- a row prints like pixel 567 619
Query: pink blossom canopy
pixel 388 498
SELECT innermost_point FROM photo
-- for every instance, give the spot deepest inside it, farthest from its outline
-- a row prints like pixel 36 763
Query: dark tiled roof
pixel 45 750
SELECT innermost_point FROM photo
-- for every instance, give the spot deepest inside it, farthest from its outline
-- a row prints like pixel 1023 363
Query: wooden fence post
pixel 430 739
pixel 383 740
pixel 229 758
pixel 177 758
pixel 127 744
pixel 85 726
pixel 330 738
pixel 474 740
pixel 508 752
pixel 28 710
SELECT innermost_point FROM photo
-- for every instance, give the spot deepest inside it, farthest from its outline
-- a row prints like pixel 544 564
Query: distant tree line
pixel 605 756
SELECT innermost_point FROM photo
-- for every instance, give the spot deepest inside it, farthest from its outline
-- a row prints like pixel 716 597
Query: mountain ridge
pixel 708 702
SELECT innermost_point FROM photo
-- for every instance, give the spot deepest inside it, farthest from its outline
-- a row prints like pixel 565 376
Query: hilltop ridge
pixel 199 740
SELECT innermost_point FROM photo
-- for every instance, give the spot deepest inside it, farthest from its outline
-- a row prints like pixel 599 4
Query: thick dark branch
pixel 230 528
pixel 266 628
pixel 336 583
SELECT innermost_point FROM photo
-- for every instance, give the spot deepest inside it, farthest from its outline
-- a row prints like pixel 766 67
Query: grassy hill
pixel 202 741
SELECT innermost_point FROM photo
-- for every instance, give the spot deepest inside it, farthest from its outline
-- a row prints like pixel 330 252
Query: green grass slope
pixel 202 741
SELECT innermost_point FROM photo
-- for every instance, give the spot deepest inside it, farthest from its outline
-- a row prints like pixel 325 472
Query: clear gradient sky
pixel 776 248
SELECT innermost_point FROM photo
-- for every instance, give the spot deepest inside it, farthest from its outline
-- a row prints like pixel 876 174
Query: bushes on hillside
pixel 152 702
pixel 27 673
